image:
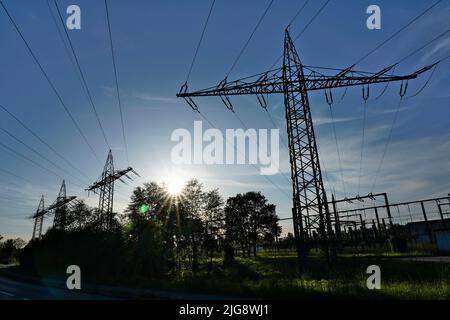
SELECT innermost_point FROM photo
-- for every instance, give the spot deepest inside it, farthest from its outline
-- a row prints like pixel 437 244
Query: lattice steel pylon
pixel 310 209
pixel 60 208
pixel 106 198
pixel 105 187
pixel 39 220
pixel 59 221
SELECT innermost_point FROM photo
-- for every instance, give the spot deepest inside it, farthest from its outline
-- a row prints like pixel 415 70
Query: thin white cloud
pixel 154 98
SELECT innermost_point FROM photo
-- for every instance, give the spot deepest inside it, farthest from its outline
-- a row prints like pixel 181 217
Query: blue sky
pixel 154 43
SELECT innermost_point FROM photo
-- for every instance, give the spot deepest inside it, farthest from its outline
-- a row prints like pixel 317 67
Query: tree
pixel 249 219
pixel 215 221
pixel 9 250
pixel 147 203
pixel 78 216
pixel 19 243
pixel 191 208
pixel 273 229
pixel 179 220
pixel 288 242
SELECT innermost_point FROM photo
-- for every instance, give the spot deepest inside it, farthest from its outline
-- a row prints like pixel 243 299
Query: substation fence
pixel 367 220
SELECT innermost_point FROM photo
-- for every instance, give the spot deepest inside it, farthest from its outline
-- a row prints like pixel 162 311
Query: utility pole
pixel 294 80
pixel 104 186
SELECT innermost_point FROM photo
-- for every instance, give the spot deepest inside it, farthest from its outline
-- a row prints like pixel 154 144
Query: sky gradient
pixel 154 44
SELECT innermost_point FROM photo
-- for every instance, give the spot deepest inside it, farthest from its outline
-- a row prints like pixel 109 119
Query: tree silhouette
pixel 9 250
pixel 249 219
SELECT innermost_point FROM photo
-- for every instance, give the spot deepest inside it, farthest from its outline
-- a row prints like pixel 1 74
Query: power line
pixel 15 175
pixel 200 41
pixel 246 128
pixel 424 46
pixel 20 155
pixel 15 207
pixel 201 114
pixel 287 148
pixel 49 81
pixel 117 81
pixel 397 32
pixel 282 140
pixel 275 125
pixel 267 178
pixel 401 60
pixel 250 38
pixel 298 13
pixel 24 157
pixel 322 164
pixel 444 59
pixel 42 140
pixel 312 20
pixel 338 151
pixel 61 37
pixel 388 141
pixel 398 107
pixel 86 87
pixel 304 29
pixel 12 197
pixel 362 144
pixel 396 114
pixel 37 152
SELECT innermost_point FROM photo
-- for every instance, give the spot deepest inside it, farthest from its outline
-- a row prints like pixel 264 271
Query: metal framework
pixel 60 219
pixel 310 211
pixel 388 207
pixel 104 186
pixel 39 220
pixel 58 207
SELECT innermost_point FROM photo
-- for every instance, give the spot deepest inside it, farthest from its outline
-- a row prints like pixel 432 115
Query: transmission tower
pixel 310 211
pixel 104 186
pixel 38 220
pixel 58 207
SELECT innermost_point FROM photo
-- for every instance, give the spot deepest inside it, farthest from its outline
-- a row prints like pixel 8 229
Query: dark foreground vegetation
pixel 161 236
pixel 10 250
pixel 196 242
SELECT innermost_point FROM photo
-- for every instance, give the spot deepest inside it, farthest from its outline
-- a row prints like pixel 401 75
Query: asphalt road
pixel 16 290
pixel 14 286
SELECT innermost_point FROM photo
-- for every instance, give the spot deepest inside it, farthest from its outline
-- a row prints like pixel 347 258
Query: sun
pixel 175 185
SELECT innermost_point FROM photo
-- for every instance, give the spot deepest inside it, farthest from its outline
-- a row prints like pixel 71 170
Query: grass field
pixel 275 276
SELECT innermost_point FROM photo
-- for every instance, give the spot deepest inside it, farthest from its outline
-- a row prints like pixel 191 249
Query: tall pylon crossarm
pixel 273 82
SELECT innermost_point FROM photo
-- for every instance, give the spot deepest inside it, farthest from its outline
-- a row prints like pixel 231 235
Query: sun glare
pixel 175 185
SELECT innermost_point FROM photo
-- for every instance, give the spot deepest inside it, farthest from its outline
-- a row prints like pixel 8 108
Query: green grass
pixel 276 276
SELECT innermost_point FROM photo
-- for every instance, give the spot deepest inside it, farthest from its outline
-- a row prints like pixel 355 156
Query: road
pixel 17 290
pixel 14 286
